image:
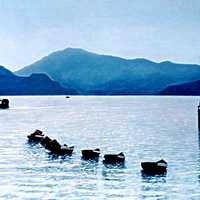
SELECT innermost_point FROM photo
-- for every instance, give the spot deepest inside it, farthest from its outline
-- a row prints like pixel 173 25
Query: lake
pixel 145 128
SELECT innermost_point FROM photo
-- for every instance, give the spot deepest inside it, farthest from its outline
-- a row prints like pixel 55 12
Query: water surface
pixel 144 128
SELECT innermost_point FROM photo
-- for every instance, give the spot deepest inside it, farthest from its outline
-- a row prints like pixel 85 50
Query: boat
pixel 91 154
pixel 114 159
pixel 4 103
pixel 153 168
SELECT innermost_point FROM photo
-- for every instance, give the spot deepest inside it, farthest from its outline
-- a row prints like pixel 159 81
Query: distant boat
pixel 4 103
pixel 67 97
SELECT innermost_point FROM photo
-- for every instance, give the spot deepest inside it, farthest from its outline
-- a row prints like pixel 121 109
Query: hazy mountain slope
pixel 91 73
pixel 5 72
pixel 36 84
pixel 191 88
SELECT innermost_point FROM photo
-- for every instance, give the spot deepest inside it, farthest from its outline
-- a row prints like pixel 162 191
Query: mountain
pixel 90 73
pixel 5 72
pixel 191 88
pixel 35 84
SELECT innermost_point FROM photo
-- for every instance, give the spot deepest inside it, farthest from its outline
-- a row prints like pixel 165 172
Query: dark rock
pixel 45 141
pixel 4 103
pixel 53 146
pixel 114 159
pixel 153 168
pixel 90 154
pixel 36 136
pixel 65 150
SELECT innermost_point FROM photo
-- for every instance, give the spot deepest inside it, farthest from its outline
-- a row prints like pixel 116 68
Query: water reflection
pixel 153 178
pixel 113 174
pixel 28 172
pixel 89 167
pixel 115 166
pixel 115 183
pixel 153 187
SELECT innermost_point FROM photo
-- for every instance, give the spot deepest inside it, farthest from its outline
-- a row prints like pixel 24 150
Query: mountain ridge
pixel 88 72
pixel 185 89
pixel 35 84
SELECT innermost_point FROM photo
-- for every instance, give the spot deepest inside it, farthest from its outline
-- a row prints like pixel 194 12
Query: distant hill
pixel 35 84
pixel 191 88
pixel 90 73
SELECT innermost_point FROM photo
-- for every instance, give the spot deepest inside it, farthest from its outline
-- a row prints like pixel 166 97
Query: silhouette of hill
pixel 191 88
pixel 35 84
pixel 90 73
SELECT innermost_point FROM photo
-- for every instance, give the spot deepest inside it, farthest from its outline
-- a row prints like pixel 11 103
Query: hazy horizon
pixel 159 30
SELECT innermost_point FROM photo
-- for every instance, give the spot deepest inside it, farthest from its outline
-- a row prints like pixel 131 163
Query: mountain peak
pixel 142 61
pixel 91 73
pixel 71 51
pixel 166 62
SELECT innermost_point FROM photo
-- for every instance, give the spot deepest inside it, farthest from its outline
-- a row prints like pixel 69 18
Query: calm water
pixel 144 128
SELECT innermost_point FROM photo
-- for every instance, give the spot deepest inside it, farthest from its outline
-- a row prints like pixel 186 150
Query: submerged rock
pixel 53 146
pixel 4 103
pixel 153 168
pixel 36 136
pixel 65 150
pixel 91 154
pixel 45 141
pixel 114 159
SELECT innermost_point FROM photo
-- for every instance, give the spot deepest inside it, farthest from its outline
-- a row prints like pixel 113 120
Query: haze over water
pixel 144 128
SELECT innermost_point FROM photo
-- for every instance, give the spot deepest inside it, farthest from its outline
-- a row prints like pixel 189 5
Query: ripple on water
pixel 144 128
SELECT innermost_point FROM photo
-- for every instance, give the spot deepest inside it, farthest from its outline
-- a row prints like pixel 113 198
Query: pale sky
pixel 154 29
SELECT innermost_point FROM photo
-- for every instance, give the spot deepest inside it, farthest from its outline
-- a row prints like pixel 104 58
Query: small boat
pixel 153 168
pixel 67 97
pixel 36 136
pixel 114 159
pixel 4 103
pixel 91 154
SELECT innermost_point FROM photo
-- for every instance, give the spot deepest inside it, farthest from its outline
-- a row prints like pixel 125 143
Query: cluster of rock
pixel 50 144
pixel 152 168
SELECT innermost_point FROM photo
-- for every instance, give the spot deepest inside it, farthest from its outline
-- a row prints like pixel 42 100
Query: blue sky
pixel 157 30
